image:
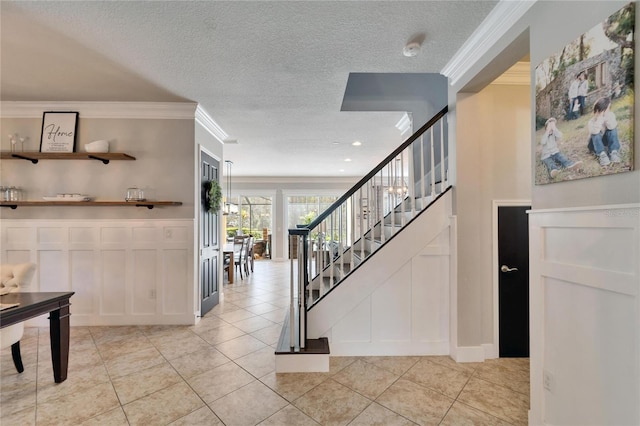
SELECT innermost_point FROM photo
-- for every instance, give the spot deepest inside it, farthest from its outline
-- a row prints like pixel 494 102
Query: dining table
pixel 23 306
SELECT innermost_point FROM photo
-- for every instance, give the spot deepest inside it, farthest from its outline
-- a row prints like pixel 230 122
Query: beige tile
pixel 105 334
pixel 202 416
pixel 198 362
pixel 259 363
pixel 447 361
pixel 415 402
pixel 221 334
pixel 289 415
pixel 437 377
pixel 222 308
pixel 248 405
pixel 508 372
pixel 240 346
pixel 207 324
pixel 220 381
pixel 23 417
pixel 291 386
pixel 77 382
pixel 159 331
pixel 366 379
pixel 126 345
pixel 172 348
pixel 252 324
pixel 337 363
pixel 164 406
pixel 495 400
pixel 396 364
pixel 376 415
pixel 262 308
pixel 132 362
pixel 82 358
pixel 237 315
pixel 246 302
pixel 77 407
pixel 114 417
pixel 276 316
pixel 145 382
pixel 268 335
pixel 17 397
pixel 463 415
pixel 331 403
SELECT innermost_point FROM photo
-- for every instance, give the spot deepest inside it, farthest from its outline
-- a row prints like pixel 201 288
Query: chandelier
pixel 229 207
pixel 399 185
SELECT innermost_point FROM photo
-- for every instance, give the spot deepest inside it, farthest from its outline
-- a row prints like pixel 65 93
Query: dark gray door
pixel 513 284
pixel 209 247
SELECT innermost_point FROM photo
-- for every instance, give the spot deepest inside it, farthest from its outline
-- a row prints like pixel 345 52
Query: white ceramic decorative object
pixel 97 146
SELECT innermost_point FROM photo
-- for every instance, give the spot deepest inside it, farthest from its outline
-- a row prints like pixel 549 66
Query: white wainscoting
pixel 585 316
pixel 122 272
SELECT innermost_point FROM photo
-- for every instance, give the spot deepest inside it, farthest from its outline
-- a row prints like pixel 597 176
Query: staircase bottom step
pixel 313 358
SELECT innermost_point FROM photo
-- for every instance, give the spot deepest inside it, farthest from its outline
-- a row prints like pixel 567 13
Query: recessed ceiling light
pixel 347 159
pixel 342 170
pixel 335 143
pixel 357 143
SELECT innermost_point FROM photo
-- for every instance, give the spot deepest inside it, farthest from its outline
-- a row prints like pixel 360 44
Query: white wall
pixel 493 162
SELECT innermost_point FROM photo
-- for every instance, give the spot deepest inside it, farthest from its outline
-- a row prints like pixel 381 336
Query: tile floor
pixel 221 371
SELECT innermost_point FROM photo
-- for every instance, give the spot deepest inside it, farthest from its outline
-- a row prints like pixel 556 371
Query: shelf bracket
pixel 104 161
pixel 33 160
pixel 11 206
pixel 149 206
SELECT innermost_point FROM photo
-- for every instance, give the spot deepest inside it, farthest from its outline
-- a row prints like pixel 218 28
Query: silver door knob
pixel 505 268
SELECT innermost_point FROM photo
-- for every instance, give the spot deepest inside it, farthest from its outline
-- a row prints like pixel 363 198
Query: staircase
pixel 343 239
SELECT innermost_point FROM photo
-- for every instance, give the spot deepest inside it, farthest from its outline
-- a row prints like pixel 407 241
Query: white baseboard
pixel 389 348
pixel 490 351
pixel 468 354
pixel 302 363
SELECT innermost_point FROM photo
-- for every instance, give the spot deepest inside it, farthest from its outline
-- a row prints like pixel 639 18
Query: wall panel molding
pixel 585 315
pixel 134 272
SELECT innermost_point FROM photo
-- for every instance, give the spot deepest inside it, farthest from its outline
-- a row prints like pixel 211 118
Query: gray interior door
pixel 209 241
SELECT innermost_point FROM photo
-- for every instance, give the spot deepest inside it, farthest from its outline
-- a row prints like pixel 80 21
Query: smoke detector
pixel 412 49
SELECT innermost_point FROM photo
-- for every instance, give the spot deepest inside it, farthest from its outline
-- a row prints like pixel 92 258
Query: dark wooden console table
pixel 34 304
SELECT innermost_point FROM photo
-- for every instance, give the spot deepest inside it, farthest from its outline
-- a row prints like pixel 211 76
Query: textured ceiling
pixel 271 74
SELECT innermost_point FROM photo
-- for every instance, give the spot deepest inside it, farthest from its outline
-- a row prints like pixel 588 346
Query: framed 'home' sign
pixel 59 131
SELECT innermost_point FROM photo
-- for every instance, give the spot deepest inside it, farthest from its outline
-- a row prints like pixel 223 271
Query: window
pixel 254 215
pixel 304 209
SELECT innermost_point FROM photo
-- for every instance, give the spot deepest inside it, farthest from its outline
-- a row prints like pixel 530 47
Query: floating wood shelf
pixel 34 157
pixel 147 204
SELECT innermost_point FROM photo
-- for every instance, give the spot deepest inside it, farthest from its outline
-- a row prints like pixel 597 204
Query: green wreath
pixel 212 196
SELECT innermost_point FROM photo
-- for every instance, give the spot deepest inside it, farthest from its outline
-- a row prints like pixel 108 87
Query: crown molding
pixel 119 110
pixel 209 124
pixel 495 25
pixel 405 124
pixel 517 75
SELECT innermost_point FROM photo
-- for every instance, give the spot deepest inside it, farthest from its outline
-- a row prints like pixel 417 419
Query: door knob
pixel 505 268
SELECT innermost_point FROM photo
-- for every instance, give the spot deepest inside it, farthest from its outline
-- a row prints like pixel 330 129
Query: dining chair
pixel 13 279
pixel 240 243
pixel 249 260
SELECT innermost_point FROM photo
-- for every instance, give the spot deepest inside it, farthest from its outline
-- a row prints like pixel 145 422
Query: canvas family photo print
pixel 585 104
